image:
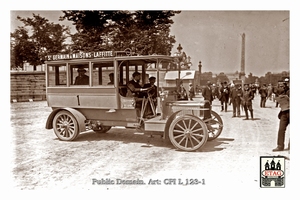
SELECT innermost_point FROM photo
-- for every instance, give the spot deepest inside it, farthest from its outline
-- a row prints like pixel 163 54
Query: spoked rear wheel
pixel 214 126
pixel 188 133
pixel 65 126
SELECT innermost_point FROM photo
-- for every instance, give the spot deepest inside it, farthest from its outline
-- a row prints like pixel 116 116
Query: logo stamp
pixel 272 172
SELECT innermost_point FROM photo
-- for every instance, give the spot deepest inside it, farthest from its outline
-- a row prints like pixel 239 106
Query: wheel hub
pixel 65 124
pixel 188 132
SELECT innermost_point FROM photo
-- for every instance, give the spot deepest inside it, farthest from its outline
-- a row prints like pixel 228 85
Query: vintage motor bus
pixel 100 100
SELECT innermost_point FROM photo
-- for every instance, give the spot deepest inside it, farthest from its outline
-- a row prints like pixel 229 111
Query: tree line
pixel 144 32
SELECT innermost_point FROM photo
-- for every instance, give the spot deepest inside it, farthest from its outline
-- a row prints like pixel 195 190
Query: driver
pixel 136 90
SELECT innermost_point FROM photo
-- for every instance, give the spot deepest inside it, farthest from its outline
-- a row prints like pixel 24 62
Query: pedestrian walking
pixel 247 98
pixel 224 95
pixel 263 95
pixel 283 116
pixel 235 97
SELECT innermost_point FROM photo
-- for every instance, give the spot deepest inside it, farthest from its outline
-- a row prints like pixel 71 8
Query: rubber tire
pixel 177 123
pixel 68 133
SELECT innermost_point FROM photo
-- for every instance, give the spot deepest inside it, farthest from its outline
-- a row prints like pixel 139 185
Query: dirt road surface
pixel 109 161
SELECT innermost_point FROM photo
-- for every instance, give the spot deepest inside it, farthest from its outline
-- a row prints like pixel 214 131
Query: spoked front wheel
pixel 188 133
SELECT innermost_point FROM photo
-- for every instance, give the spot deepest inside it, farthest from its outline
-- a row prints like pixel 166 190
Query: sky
pixel 214 38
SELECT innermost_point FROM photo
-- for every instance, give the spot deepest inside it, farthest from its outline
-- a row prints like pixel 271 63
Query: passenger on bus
pixel 151 84
pixel 111 78
pixel 81 79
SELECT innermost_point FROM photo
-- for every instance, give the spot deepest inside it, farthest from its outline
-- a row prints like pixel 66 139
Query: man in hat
pixel 263 91
pixel 224 95
pixel 235 97
pixel 191 91
pixel 283 116
pixel 81 79
pixel 247 98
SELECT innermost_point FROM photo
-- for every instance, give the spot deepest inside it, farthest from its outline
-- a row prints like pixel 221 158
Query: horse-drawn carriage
pixel 101 102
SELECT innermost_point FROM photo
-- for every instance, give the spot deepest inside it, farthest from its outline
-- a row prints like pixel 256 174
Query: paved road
pixel 41 161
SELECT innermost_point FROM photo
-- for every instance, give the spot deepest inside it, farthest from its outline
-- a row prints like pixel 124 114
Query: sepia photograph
pixel 177 99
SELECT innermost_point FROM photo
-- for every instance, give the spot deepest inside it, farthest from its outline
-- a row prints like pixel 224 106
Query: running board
pixel 155 124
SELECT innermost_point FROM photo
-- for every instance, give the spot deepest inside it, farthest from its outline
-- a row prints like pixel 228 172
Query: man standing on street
pixel 283 116
pixel 263 95
pixel 235 97
pixel 224 96
pixel 247 101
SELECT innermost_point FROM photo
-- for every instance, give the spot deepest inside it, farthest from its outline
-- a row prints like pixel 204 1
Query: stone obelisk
pixel 242 72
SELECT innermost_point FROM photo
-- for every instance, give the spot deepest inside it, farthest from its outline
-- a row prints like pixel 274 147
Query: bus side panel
pixel 104 98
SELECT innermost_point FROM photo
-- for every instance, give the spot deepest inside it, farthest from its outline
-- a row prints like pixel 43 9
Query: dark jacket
pixel 134 89
pixel 285 91
pixel 81 80
pixel 207 93
pixel 247 97
pixel 236 94
pixel 263 91
pixel 152 91
pixel 181 93
pixel 191 92
pixel 224 93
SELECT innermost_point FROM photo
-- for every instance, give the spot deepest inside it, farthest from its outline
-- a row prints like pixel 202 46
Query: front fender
pixel 169 121
pixel 78 115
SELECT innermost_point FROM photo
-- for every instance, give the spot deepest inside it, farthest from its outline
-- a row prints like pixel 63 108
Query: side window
pixel 103 74
pixel 57 76
pixel 79 75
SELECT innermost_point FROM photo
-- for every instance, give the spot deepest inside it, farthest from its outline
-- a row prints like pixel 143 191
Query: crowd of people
pixel 241 98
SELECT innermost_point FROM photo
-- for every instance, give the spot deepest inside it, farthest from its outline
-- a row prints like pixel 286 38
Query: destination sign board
pixel 80 55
